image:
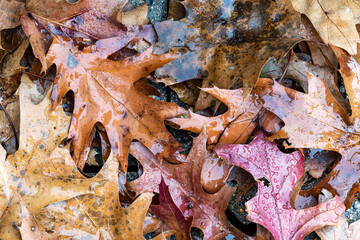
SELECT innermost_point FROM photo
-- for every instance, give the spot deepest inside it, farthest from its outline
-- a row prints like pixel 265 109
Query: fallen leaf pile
pixel 194 119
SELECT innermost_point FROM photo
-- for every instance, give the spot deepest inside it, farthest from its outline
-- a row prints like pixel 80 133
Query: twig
pixel 286 68
pixel 35 75
pixel 12 125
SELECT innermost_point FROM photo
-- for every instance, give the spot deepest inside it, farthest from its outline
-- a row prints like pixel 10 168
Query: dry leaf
pixel 334 20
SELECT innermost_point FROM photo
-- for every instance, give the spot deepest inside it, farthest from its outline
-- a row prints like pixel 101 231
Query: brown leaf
pixel 37 43
pixel 235 125
pixel 30 228
pixel 334 20
pixel 137 16
pixel 11 11
pixel 105 93
pixel 224 41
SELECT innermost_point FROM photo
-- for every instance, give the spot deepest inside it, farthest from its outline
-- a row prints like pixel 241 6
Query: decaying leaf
pixel 277 174
pixel 99 213
pixel 11 11
pixel 223 41
pixel 171 214
pixel 334 20
pixel 316 120
pixel 35 38
pixel 41 130
pixel 343 230
pixel 184 181
pixel 235 125
pixel 30 229
pixel 104 93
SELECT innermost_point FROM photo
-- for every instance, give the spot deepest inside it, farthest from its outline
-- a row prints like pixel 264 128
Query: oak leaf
pixel 104 93
pixel 30 228
pixel 41 130
pixel 99 213
pixel 224 41
pixel 171 214
pixel 335 21
pixel 184 181
pixel 316 120
pixel 277 174
pixel 343 230
pixel 11 11
pixel 237 123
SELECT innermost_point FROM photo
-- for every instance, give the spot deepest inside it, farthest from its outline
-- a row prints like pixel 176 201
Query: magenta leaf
pixel 277 174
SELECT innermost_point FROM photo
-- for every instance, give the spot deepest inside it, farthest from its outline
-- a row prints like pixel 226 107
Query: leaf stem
pixel 12 125
pixel 35 75
pixel 286 68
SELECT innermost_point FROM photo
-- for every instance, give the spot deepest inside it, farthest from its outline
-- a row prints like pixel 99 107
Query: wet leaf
pixel 184 181
pixel 104 93
pixel 236 124
pixel 30 228
pixel 334 20
pixel 79 217
pixel 171 214
pixel 22 173
pixel 316 120
pixel 223 41
pixel 277 174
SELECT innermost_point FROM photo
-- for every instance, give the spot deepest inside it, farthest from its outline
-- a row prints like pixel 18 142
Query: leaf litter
pixel 81 85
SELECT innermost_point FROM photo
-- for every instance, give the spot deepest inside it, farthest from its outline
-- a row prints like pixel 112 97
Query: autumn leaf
pixel 95 19
pixel 277 174
pixel 35 38
pixel 335 21
pixel 99 213
pixel 171 214
pixel 343 230
pixel 104 93
pixel 184 181
pixel 11 11
pixel 224 41
pixel 316 120
pixel 22 173
pixel 30 228
pixel 236 124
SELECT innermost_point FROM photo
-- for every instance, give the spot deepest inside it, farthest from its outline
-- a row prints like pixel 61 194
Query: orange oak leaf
pixel 104 93
pixel 237 123
pixel 277 174
pixel 99 214
pixel 316 120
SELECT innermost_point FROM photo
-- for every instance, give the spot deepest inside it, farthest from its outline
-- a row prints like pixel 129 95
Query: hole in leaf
pixel 196 234
pixel 99 151
pixel 68 103
pixel 265 182
pixel 134 170
pixel 72 1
